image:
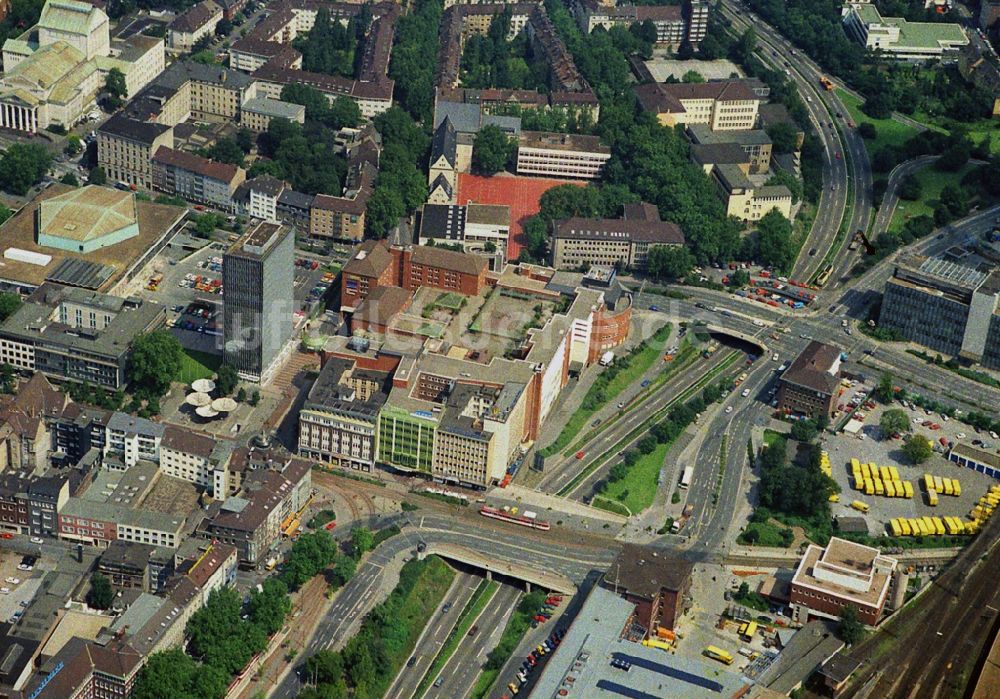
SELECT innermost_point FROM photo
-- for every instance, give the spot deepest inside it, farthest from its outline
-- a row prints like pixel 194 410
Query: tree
pixel 101 595
pixel 116 89
pixel 774 241
pixel 886 389
pixel 172 674
pixel 362 541
pixel 917 448
pixel 868 130
pixel 226 379
pixel 956 156
pixel 850 629
pixel 894 421
pixel 269 606
pixel 74 145
pixel 910 188
pixel 241 395
pixel 491 150
pixel 692 76
pixel 784 137
pixel 70 179
pixel 220 637
pixel 804 431
pixel 245 139
pixel 226 150
pixel 97 176
pixel 156 359
pixel 669 263
pixel 878 106
pixel 9 303
pixel 224 27
pixel 23 165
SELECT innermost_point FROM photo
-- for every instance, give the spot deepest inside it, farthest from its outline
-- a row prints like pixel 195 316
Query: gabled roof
pixel 812 369
pixel 449 259
pixel 223 172
pixel 370 260
pixel 445 143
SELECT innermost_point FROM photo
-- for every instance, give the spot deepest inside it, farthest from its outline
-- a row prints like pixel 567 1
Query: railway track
pixel 936 640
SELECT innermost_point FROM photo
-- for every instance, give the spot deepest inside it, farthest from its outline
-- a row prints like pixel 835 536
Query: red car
pixel 838 155
pixel 330 525
pixel 944 441
pixel 580 454
pixel 7 535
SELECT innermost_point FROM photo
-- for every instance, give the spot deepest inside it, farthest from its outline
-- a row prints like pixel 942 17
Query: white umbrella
pixel 207 411
pixel 198 399
pixel 224 405
pixel 203 385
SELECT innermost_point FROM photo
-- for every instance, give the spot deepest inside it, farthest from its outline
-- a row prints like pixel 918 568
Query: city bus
pixel 718 654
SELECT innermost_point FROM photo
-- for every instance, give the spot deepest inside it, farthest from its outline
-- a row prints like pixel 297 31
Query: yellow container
pixel 904 525
pixel 896 529
pixel 890 489
pixel 908 489
pixel 932 499
pixel 938 526
pixel 956 487
pixel 938 484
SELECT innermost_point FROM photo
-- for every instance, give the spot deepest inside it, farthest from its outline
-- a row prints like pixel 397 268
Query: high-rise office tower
pixel 257 279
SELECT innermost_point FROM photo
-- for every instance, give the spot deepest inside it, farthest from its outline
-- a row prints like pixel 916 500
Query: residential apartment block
pixel 256 114
pixel 724 105
pixel 841 574
pixel 125 149
pixel 809 385
pixel 196 458
pixel 560 155
pixel 71 334
pixel 624 242
pixel 950 304
pixel 195 178
pixel 675 24
pixel 195 23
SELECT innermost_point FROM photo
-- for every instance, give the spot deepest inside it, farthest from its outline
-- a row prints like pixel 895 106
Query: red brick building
pixel 377 264
pixel 810 384
pixel 654 580
pixel 842 574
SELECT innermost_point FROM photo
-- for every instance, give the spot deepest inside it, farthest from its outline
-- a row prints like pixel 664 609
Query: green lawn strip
pixel 197 365
pixel 890 131
pixel 480 598
pixel 770 437
pixel 644 427
pixel 639 361
pixel 638 489
pixel 687 354
pixel 602 503
pixel 932 182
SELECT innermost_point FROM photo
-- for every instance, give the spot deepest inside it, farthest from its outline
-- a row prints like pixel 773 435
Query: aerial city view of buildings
pixel 473 350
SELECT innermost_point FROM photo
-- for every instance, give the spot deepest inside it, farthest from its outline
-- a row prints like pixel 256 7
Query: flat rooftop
pixel 155 221
pixel 581 665
pixel 850 561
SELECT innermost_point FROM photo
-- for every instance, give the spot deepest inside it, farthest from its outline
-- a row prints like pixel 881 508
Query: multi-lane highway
pixel 460 672
pixel 845 154
pixel 434 635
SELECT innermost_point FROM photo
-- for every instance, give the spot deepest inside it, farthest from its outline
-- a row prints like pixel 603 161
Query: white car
pixel 774 357
pixel 37 540
pixel 4 590
pixel 746 392
pixel 13 581
pixel 729 409
pixel 960 435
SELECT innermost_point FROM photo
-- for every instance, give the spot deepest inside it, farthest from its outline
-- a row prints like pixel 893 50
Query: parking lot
pixel 869 446
pixel 18 587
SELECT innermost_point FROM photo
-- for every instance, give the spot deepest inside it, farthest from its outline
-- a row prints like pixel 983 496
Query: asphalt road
pixel 434 635
pixel 891 197
pixel 462 669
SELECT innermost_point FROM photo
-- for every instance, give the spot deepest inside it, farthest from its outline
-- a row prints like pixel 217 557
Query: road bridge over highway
pixel 553 582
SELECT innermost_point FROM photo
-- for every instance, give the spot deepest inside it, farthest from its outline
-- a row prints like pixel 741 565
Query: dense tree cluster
pixel 414 58
pixel 401 185
pixel 492 150
pixel 774 246
pixel 100 595
pixel 156 359
pixel 790 489
pixel 490 60
pixel 557 119
pixel 343 111
pixel 9 303
pixel 301 155
pixel 331 47
pixel 23 165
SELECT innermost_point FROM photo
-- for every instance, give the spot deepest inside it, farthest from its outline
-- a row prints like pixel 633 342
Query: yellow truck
pixel 860 506
pixel 718 654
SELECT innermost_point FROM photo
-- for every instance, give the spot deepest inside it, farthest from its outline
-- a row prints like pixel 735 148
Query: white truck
pixel 607 358
pixel 686 477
